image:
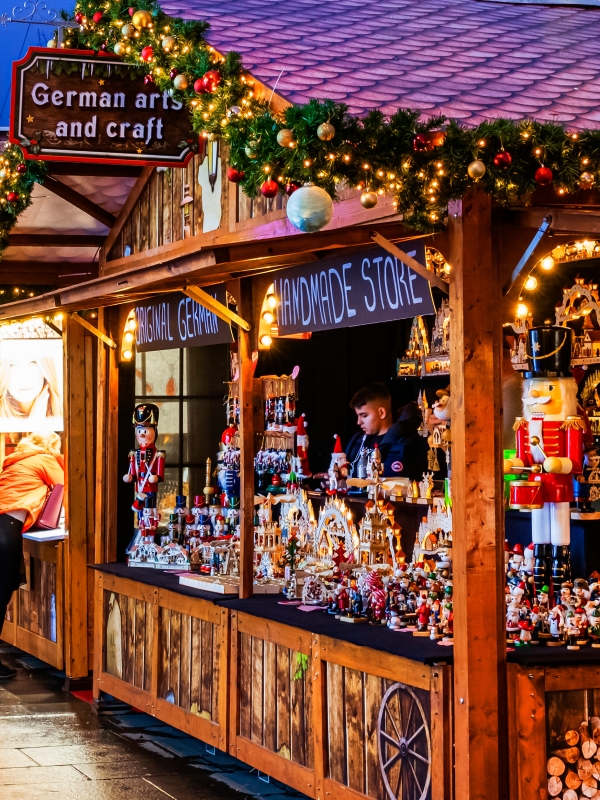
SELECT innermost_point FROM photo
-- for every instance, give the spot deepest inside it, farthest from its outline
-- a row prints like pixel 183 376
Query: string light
pixel 522 310
pixel 530 283
pixel 547 263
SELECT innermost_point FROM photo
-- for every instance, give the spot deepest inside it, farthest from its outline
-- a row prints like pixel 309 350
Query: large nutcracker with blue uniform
pixel 550 448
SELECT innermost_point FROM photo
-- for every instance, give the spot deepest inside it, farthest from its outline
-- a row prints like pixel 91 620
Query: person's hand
pixel 128 478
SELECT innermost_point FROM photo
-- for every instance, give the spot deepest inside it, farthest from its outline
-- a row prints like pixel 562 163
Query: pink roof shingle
pixel 466 59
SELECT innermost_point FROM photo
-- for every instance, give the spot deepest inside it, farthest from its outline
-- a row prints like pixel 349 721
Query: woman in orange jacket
pixel 27 475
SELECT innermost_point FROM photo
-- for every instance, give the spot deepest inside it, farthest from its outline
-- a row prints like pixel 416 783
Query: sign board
pixel 175 320
pixel 74 105
pixel 357 289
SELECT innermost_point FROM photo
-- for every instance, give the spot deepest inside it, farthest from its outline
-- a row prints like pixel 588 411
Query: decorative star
pixel 101 82
pixel 29 118
pixel 140 150
pixel 537 347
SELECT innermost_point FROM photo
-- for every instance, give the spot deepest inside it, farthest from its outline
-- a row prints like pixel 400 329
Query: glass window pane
pixel 194 479
pixel 167 493
pixel 161 373
pixel 203 423
pixel 168 429
pixel 205 370
pixel 140 365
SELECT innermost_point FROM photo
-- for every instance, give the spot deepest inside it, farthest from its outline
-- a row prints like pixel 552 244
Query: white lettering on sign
pixel 153 324
pixel 195 320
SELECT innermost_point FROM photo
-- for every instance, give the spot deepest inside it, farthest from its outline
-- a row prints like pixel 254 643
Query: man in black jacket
pixel 403 451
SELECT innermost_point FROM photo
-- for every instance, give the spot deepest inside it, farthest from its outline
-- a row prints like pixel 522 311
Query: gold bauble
pixel 181 82
pixel 168 43
pixel 586 180
pixel 51 43
pixel 128 30
pixel 369 199
pixel 250 151
pixel 142 19
pixel 120 48
pixel 476 169
pixel 285 137
pixel 326 131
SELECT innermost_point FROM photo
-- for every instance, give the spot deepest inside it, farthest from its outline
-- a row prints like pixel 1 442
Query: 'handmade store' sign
pixel 73 105
pixel 174 320
pixel 358 289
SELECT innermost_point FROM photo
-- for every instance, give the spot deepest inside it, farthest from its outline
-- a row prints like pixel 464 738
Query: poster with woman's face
pixel 31 385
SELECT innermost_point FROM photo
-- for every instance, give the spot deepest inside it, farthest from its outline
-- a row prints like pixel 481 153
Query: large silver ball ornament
pixel 181 82
pixel 309 208
pixel 476 169
pixel 168 43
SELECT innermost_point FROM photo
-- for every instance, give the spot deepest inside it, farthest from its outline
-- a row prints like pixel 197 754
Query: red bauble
pixel 420 142
pixel 131 11
pixel 79 17
pixel 97 17
pixel 269 189
pixel 291 187
pixel 199 86
pixel 147 53
pixel 543 176
pixel 173 74
pixel 148 79
pixel 235 175
pixel 211 79
pixel 12 197
pixel 21 168
pixel 503 159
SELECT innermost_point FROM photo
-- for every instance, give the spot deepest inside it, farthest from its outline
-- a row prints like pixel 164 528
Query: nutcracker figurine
pixel 550 447
pixel 146 463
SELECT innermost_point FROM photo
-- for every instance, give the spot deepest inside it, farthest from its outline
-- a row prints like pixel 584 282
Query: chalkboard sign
pixel 175 320
pixel 357 289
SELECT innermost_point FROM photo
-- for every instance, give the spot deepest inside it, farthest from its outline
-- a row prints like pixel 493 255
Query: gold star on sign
pixel 140 150
pixel 101 82
pixel 29 118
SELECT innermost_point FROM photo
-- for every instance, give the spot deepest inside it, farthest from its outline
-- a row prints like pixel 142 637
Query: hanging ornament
pixel 142 19
pixel 131 11
pixel 269 188
pixel 476 169
pixel 309 208
pixel 211 79
pixel 79 17
pixel 128 30
pixel 173 73
pixel 543 176
pixel 181 82
pixel 369 199
pixel 420 143
pixel 291 187
pixel 250 150
pixel 21 168
pixel 326 131
pixel 586 180
pixel 51 43
pixel 235 175
pixel 104 47
pixel 234 111
pixel 503 159
pixel 168 43
pixel 148 79
pixel 199 86
pixel 97 17
pixel 2 174
pixel 12 197
pixel 120 49
pixel 285 138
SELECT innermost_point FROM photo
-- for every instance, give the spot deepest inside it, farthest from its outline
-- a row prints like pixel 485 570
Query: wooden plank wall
pixel 35 600
pixel 135 641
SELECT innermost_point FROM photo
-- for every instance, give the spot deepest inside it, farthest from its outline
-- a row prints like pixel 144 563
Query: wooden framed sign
pixel 74 105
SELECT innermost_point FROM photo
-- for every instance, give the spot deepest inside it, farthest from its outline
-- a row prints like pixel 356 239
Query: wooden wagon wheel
pixel 404 744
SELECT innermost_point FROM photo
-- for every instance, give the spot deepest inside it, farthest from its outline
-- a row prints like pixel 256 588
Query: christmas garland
pixel 17 177
pixel 423 165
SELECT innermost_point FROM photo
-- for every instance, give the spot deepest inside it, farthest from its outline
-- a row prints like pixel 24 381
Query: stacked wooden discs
pixel 574 770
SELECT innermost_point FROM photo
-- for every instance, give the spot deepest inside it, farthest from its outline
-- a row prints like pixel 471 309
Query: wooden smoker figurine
pixel 549 439
pixel 146 463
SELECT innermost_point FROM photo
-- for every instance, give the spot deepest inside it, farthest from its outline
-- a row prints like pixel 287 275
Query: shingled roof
pixel 466 59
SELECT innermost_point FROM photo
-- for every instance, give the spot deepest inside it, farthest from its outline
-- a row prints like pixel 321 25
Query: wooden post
pixel 246 394
pixel 478 514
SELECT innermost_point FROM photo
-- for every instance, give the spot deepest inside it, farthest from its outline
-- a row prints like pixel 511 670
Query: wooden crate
pixel 34 620
pixel 164 653
pixel 321 715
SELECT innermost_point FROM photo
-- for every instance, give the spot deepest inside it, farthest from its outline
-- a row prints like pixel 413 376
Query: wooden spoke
pixel 389 739
pixel 419 756
pixel 389 713
pixel 415 776
pixel 415 734
pixel 410 710
pixel 389 764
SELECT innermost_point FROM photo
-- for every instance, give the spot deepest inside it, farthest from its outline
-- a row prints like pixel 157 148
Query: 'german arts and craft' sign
pixel 73 105
pixel 358 289
pixel 174 320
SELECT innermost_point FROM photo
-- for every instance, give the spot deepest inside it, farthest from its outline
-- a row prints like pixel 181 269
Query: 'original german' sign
pixel 73 105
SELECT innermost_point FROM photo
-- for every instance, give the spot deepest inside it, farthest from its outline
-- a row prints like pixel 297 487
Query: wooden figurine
pixel 146 463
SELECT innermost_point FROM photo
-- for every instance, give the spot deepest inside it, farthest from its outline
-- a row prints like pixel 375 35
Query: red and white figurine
pixel 146 463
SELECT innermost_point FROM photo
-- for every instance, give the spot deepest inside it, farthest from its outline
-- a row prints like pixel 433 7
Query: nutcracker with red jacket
pixel 550 444
pixel 146 463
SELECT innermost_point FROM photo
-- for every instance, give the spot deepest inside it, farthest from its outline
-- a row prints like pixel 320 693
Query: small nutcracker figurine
pixel 146 463
pixel 550 444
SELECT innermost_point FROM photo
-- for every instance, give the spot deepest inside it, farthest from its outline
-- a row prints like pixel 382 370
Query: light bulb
pixel 58 317
pixel 266 340
pixel 128 337
pixel 531 283
pixel 127 355
pixel 272 301
pixel 269 317
pixel 547 263
pixel 522 310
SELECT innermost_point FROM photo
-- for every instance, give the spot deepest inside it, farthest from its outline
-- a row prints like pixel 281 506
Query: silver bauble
pixel 181 82
pixel 476 169
pixel 233 111
pixel 120 48
pixel 285 137
pixel 369 199
pixel 168 43
pixel 128 30
pixel 309 208
pixel 250 151
pixel 326 131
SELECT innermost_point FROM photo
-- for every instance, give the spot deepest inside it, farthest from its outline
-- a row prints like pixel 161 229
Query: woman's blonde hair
pixel 43 441
pixel 9 407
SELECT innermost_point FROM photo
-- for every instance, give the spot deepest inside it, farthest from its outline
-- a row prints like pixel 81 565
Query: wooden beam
pixel 55 240
pixel 411 262
pixel 40 273
pixel 89 327
pixel 246 395
pixel 124 213
pixel 93 170
pixel 224 313
pixel 78 200
pixel 477 505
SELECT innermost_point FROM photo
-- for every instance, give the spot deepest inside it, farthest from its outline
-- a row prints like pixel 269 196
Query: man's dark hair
pixel 374 392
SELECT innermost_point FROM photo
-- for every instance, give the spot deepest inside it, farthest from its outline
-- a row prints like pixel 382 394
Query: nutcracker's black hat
pixel 146 414
pixel 549 352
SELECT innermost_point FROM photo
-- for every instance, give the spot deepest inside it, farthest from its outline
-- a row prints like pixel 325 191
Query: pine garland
pixel 423 165
pixel 17 177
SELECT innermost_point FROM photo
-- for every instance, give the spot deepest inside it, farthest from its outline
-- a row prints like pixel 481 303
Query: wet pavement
pixel 52 745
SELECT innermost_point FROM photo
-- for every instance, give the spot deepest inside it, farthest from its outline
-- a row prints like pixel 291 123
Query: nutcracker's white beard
pixel 568 389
